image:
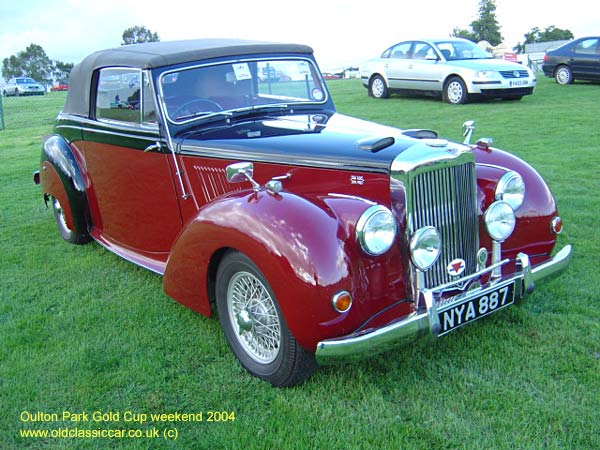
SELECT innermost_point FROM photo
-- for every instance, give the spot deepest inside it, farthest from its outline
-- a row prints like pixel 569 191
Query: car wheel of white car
pixel 455 91
pixel 563 75
pixel 378 88
pixel 254 326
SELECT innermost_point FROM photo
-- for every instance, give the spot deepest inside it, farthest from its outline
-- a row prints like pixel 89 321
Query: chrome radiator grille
pixel 447 199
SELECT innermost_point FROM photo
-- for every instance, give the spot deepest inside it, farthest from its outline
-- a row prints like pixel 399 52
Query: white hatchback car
pixel 455 67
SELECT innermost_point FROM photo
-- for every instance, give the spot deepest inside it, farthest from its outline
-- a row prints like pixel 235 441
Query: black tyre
pixel 69 235
pixel 378 88
pixel 455 91
pixel 563 75
pixel 254 326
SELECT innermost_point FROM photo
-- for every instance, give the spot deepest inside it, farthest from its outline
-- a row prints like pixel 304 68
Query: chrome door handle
pixel 157 146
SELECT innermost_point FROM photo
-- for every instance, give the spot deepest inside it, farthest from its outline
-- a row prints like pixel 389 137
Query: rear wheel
pixel 69 235
pixel 378 88
pixel 563 75
pixel 254 326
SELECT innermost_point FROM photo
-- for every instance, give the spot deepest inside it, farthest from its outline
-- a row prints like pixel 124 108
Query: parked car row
pixel 28 86
pixel 458 70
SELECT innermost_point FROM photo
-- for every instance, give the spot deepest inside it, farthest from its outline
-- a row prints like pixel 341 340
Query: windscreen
pixel 196 92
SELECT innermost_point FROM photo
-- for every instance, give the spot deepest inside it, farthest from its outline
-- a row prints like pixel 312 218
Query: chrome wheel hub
pixel 562 76
pixel 254 317
pixel 455 92
pixel 377 87
pixel 60 214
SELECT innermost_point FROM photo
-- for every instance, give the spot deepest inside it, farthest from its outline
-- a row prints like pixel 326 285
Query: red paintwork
pixel 52 185
pixel 60 87
pixel 134 204
pixel 534 215
pixel 303 242
pixel 302 239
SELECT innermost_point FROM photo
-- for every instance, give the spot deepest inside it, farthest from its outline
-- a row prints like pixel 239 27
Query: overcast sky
pixel 342 32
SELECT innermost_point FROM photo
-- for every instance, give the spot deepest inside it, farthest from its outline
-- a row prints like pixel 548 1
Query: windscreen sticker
pixel 242 71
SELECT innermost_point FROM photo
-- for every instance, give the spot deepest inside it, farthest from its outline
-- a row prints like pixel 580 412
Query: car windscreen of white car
pixel 458 50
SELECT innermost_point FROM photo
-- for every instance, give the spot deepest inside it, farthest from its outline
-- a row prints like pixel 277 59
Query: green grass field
pixel 84 331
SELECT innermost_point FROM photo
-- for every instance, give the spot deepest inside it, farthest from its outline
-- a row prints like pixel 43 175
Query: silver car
pixel 455 67
pixel 23 86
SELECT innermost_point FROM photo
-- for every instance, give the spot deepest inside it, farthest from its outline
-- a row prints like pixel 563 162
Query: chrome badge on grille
pixel 456 267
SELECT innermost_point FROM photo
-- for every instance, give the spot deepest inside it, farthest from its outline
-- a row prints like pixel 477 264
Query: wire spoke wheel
pixel 254 326
pixel 252 311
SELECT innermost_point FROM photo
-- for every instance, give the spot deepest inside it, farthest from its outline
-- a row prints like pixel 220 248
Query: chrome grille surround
pixel 514 74
pixel 440 189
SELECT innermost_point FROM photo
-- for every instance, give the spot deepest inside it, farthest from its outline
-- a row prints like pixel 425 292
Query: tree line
pixel 486 28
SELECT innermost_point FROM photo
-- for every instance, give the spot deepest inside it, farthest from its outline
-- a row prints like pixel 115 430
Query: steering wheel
pixel 205 101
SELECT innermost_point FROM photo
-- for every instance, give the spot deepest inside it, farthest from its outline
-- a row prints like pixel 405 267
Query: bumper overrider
pixel 436 318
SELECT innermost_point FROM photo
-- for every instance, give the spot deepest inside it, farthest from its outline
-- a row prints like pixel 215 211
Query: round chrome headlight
pixel 511 189
pixel 499 220
pixel 376 230
pixel 425 246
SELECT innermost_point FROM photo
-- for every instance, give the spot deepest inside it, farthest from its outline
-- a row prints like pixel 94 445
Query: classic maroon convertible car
pixel 223 166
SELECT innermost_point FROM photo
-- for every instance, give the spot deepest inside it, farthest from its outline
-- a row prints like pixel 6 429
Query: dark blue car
pixel 575 60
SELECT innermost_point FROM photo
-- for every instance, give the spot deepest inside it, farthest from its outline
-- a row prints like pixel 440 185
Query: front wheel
pixel 563 75
pixel 455 91
pixel 254 327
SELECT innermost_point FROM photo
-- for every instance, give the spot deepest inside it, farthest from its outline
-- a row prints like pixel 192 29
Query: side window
pixel 423 51
pixel 401 51
pixel 118 95
pixel 148 105
pixel 587 47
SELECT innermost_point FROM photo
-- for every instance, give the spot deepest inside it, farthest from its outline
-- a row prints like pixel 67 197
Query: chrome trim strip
pixel 287 159
pixel 359 346
pixel 112 133
pixel 144 128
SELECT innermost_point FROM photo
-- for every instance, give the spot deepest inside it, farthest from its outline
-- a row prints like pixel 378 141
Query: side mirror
pixel 241 171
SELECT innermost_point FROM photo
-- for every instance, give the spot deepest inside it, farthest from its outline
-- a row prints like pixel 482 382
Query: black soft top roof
pixel 151 55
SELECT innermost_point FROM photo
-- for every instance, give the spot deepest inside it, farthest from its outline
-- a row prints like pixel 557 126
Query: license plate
pixel 519 83
pixel 486 303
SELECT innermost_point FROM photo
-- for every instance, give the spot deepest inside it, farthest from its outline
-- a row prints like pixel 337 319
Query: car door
pixel 396 61
pixel 425 72
pixel 585 59
pixel 131 187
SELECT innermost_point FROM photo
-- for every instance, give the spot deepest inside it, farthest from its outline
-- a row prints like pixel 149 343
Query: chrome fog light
pixel 511 189
pixel 425 246
pixel 499 220
pixel 376 230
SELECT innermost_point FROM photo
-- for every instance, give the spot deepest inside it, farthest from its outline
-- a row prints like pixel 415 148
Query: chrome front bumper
pixel 426 323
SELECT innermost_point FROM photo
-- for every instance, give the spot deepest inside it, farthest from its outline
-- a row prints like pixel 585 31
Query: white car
pixel 23 86
pixel 455 67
